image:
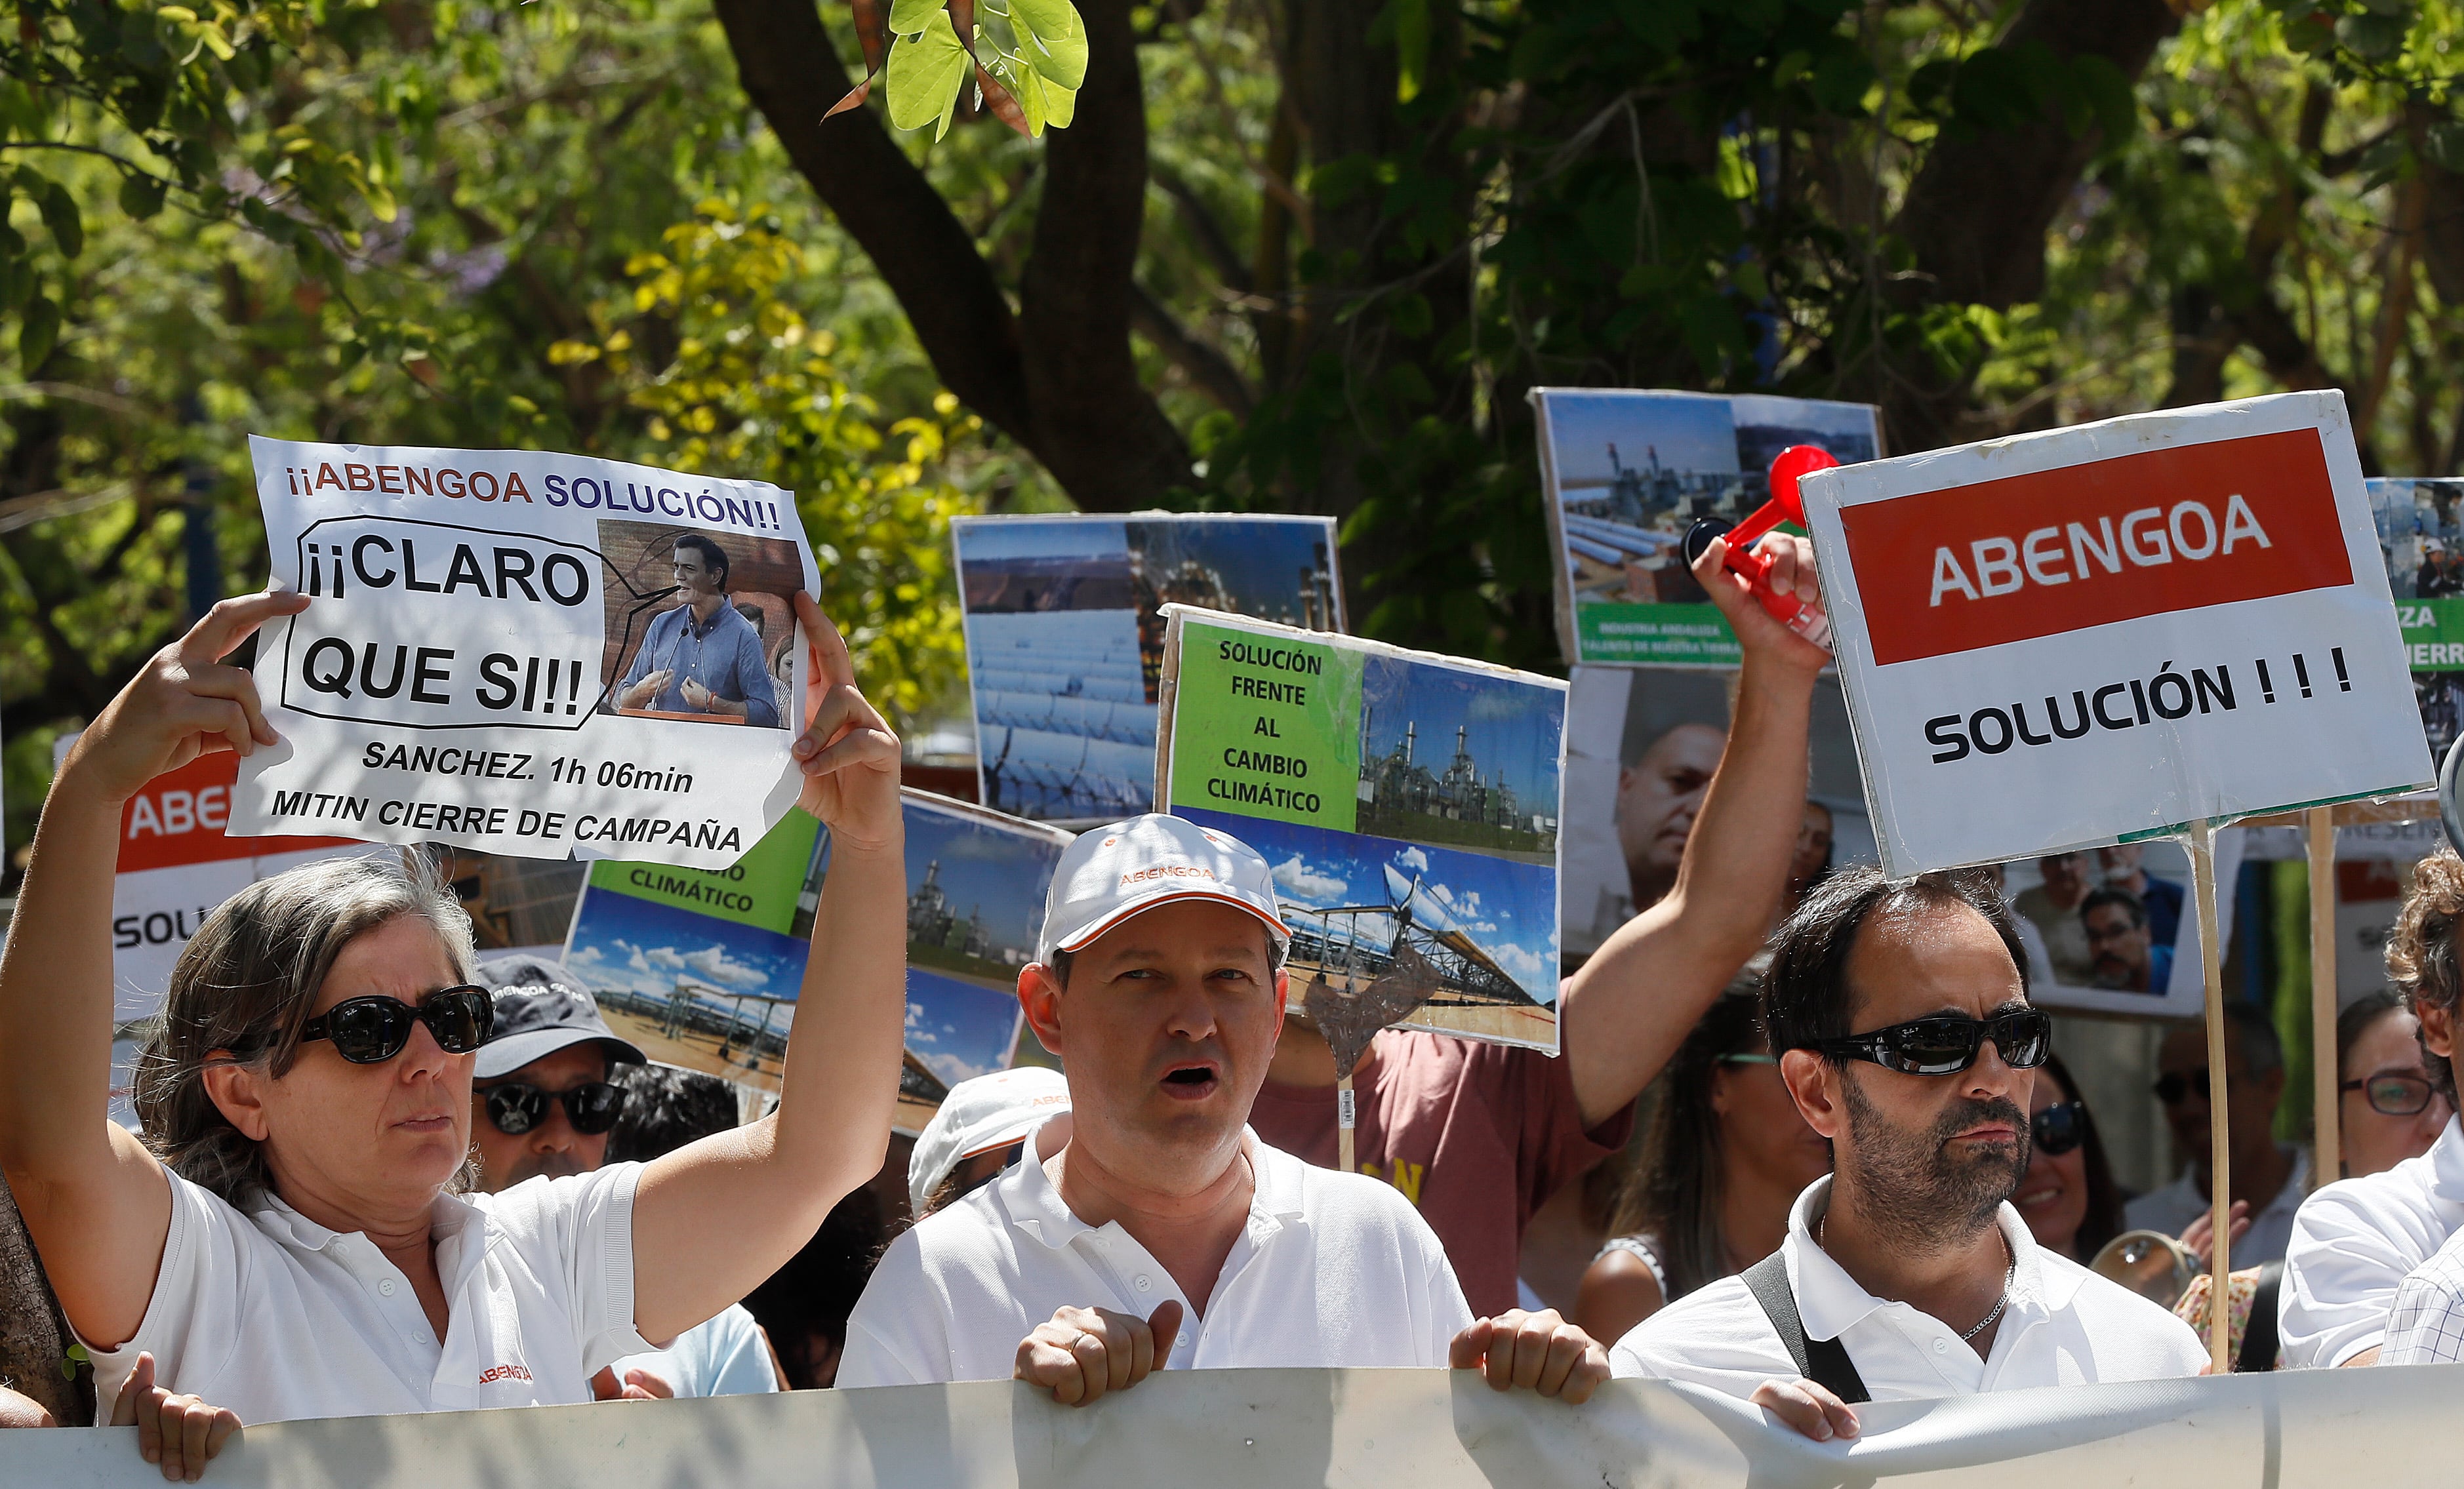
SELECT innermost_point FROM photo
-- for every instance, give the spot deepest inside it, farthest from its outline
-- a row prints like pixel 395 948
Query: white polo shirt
pixel 2353 1243
pixel 2064 1326
pixel 278 1318
pixel 1332 1269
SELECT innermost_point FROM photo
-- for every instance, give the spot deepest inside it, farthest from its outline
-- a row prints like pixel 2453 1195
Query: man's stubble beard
pixel 1908 1188
pixel 554 1166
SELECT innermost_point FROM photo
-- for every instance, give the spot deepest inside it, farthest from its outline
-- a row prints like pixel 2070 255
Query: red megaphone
pixel 1786 468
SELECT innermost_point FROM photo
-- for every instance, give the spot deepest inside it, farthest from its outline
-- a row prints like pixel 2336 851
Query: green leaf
pixel 35 337
pixel 17 282
pixel 141 195
pixel 1047 104
pixel 60 215
pixel 907 17
pixel 1053 39
pixel 1411 46
pixel 924 74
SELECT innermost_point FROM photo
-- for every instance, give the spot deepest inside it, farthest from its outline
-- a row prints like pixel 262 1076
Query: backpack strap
pixel 1824 1362
pixel 2258 1338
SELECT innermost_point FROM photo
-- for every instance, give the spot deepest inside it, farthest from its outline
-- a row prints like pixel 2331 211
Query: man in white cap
pixel 1148 1227
pixel 981 1125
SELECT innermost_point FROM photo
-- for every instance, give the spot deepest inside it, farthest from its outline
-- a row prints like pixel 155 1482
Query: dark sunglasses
pixel 366 1031
pixel 2395 1095
pixel 1947 1044
pixel 2059 1128
pixel 515 1108
pixel 2173 1086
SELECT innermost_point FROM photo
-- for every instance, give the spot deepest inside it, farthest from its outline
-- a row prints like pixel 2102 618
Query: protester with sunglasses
pixel 291 1238
pixel 2269 1179
pixel 1906 1035
pixel 2068 1198
pixel 2356 1241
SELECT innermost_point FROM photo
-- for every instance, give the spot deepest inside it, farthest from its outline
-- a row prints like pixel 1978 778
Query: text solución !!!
pixel 2132 703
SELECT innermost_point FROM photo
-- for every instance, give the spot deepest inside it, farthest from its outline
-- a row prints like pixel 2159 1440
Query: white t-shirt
pixel 278 1318
pixel 2064 1326
pixel 1333 1269
pixel 724 1357
pixel 2172 1209
pixel 2353 1243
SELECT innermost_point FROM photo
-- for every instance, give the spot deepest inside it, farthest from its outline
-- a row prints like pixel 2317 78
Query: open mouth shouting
pixel 1193 1081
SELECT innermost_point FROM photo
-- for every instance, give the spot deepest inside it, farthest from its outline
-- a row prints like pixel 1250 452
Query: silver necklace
pixel 2010 1272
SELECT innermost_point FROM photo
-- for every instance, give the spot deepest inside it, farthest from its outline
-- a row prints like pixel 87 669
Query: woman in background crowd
pixel 1712 1195
pixel 2389 1109
pixel 2068 1198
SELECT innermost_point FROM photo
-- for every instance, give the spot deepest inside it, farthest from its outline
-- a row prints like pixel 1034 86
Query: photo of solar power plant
pixel 1459 757
pixel 690 990
pixel 1065 639
pixel 1430 938
pixel 1632 471
pixel 975 889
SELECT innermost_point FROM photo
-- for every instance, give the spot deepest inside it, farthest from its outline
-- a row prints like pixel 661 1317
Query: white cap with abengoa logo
pixel 1112 873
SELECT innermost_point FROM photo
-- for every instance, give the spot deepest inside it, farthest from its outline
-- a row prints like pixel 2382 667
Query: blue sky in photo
pixel 1514 727
pixel 1054 538
pixel 960 1030
pixel 1509 910
pixel 621 942
pixel 1003 872
pixel 1691 432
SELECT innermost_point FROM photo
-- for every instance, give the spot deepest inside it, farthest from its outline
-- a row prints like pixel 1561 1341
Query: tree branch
pixel 1204 365
pixel 1208 233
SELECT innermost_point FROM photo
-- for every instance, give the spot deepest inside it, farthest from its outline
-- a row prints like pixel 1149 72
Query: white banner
pixel 2109 631
pixel 1405 1429
pixel 526 652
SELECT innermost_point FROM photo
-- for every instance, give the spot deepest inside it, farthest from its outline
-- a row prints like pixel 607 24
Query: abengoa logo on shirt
pixel 2029 556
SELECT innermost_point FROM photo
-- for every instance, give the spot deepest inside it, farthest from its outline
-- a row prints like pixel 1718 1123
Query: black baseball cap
pixel 541 1007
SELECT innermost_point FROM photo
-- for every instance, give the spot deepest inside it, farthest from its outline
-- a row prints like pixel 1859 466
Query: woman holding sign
pixel 291 1238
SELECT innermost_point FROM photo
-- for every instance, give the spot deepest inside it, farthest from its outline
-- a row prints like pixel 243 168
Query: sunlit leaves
pixel 924 72
pixel 1026 61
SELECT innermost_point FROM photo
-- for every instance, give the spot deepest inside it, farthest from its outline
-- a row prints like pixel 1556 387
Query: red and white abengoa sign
pixel 2139 535
pixel 179 818
pixel 2060 639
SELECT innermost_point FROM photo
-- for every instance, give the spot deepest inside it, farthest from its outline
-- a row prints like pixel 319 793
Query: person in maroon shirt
pixel 1479 1135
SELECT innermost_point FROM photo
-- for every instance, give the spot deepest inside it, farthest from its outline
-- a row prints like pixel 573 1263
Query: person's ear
pixel 1813 1083
pixel 1038 994
pixel 238 1093
pixel 2437 1029
pixel 1282 998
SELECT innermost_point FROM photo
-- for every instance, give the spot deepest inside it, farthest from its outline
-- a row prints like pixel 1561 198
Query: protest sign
pixel 701 967
pixel 693 965
pixel 1641 744
pixel 1407 803
pixel 2111 631
pixel 1625 472
pixel 975 885
pixel 1065 639
pixel 528 653
pixel 1381 1428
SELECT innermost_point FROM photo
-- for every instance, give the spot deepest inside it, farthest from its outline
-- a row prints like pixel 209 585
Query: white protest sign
pixel 2105 632
pixel 526 652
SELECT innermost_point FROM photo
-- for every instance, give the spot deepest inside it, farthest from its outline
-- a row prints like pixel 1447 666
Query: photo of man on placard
pixel 704 650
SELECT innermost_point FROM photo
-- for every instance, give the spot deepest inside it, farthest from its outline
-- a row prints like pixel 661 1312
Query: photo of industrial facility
pixel 1627 473
pixel 1439 939
pixel 1065 639
pixel 1460 757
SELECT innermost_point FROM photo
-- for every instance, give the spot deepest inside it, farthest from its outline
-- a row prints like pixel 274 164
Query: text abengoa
pixel 2112 630
pixel 524 652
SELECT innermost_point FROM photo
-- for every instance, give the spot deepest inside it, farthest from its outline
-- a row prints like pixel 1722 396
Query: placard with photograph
pixel 1625 471
pixel 1406 803
pixel 1065 639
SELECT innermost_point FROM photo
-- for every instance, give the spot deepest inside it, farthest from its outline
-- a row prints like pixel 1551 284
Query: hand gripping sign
pixel 2106 632
pixel 530 653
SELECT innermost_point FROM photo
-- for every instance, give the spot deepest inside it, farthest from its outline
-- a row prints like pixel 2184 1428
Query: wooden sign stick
pixel 2327 1098
pixel 2202 874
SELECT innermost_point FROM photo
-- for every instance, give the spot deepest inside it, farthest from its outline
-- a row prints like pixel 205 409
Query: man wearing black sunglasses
pixel 1906 1038
pixel 541 1105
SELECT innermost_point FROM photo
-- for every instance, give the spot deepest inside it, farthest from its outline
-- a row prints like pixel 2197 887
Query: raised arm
pixel 95 1201
pixel 715 1217
pixel 1631 1005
